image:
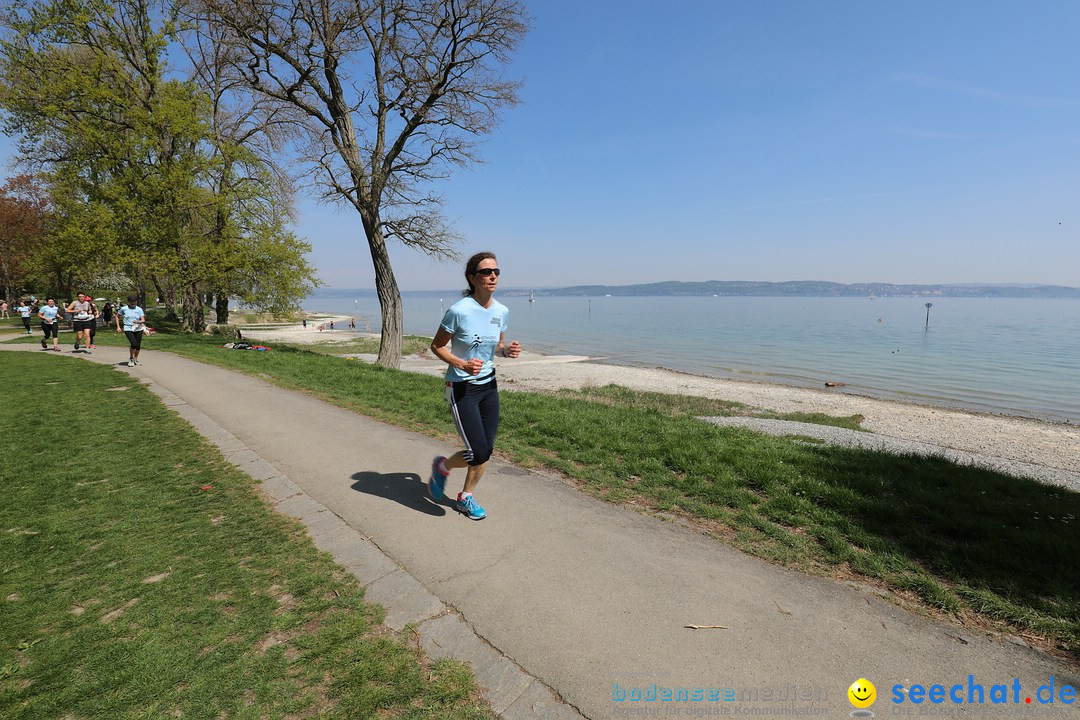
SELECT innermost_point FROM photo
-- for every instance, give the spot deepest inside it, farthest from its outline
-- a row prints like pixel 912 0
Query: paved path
pixel 562 591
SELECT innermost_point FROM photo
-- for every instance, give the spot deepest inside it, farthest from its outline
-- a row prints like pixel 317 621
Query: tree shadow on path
pixel 407 489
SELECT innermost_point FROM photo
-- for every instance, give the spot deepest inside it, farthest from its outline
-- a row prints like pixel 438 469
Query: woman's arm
pixel 440 346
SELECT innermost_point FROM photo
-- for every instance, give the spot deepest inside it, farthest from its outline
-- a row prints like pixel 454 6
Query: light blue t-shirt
pixel 475 330
pixel 132 316
pixel 24 310
pixel 49 313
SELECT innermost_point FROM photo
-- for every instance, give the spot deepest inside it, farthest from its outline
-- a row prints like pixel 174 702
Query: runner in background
pixel 24 313
pixel 94 315
pixel 49 324
pixel 81 320
pixel 134 321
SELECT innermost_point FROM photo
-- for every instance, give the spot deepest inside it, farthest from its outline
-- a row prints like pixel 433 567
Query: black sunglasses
pixel 488 271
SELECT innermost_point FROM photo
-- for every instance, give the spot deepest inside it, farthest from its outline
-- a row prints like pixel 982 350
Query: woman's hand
pixel 474 366
pixel 512 350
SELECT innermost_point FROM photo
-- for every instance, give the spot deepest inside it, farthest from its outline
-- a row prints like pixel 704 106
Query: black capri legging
pixel 51 329
pixel 26 323
pixel 476 414
pixel 134 339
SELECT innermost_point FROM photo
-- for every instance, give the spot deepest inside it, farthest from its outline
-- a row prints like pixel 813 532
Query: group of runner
pixel 130 319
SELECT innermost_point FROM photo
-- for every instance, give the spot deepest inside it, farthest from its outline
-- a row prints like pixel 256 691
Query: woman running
pixel 49 324
pixel 24 315
pixel 134 320
pixel 472 331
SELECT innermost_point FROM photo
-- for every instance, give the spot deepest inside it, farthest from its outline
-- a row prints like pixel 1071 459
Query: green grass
pixel 14 323
pixel 958 539
pixel 412 345
pixel 128 591
pixel 696 406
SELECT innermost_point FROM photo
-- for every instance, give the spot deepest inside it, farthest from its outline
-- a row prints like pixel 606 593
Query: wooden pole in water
pixel 928 306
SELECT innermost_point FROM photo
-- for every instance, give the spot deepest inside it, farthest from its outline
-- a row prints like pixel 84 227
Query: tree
pixel 390 95
pixel 23 215
pixel 77 248
pixel 130 154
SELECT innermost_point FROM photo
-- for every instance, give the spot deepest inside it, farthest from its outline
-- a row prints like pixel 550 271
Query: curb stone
pixel 512 693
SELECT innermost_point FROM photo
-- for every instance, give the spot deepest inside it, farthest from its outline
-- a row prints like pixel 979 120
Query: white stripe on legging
pixel 457 422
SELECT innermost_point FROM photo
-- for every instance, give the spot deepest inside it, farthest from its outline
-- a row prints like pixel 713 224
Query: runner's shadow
pixel 408 489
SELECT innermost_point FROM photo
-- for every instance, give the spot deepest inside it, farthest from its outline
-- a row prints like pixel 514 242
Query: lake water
pixel 1017 356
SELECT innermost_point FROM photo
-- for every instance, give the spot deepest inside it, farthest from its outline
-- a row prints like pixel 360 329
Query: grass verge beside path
pixel 411 345
pixel 990 549
pixel 129 591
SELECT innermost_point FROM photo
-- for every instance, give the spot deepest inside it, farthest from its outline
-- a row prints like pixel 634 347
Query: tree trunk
pixel 194 315
pixel 386 287
pixel 140 290
pixel 9 281
pixel 64 283
pixel 222 308
pixel 168 297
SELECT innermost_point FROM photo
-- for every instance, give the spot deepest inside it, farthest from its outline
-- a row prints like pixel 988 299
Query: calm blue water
pixel 1016 356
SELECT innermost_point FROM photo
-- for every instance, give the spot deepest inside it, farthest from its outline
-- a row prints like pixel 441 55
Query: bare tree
pixel 393 95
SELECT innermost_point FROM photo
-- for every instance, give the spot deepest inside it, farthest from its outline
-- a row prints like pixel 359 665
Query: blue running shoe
pixel 470 509
pixel 437 481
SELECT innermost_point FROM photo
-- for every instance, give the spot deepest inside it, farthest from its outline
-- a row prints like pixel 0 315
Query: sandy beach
pixel 317 331
pixel 1052 445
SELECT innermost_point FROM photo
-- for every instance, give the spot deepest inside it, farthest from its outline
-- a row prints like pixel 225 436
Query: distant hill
pixel 814 288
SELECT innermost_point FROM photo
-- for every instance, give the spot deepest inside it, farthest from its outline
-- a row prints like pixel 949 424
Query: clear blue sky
pixel 850 141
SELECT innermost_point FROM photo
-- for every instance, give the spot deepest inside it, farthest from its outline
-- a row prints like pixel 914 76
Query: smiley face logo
pixel 862 693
